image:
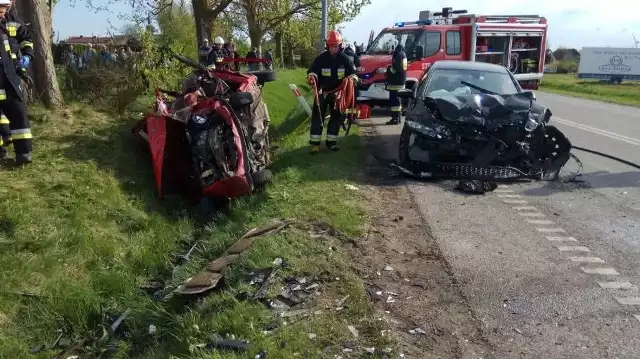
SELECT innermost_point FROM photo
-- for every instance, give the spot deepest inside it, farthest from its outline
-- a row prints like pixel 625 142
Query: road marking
pixel 628 300
pixel 531 214
pixel 600 271
pixel 586 259
pixel 616 285
pixel 540 221
pixel 598 131
pixel 525 208
pixel 509 196
pixel 550 230
pixel 514 201
pixel 562 239
pixel 501 190
pixel 573 249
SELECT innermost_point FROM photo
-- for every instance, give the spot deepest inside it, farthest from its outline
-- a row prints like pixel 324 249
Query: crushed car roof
pixel 468 65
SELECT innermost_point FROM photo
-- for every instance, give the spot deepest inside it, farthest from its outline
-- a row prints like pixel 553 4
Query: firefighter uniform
pixel 203 52
pixel 218 53
pixel 329 69
pixel 396 77
pixel 356 63
pixel 16 39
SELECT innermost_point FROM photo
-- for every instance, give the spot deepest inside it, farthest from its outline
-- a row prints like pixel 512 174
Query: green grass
pixel 82 229
pixel 627 93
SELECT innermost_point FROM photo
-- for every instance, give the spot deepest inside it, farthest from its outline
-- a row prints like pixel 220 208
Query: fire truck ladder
pixel 517 19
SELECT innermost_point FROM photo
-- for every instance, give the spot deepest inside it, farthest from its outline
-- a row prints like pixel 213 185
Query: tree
pixel 38 14
pixel 205 13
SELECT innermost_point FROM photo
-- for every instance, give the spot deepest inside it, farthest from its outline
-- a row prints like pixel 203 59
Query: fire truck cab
pixel 517 42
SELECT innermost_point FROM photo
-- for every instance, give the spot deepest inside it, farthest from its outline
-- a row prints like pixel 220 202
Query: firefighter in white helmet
pixel 218 53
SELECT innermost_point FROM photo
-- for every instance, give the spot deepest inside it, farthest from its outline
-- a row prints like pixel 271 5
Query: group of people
pixel 328 71
pixel 215 55
pixel 91 56
pixel 16 56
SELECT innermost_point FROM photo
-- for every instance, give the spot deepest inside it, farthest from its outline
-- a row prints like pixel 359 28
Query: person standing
pixel 203 52
pixel 396 77
pixel 327 72
pixel 16 38
pixel 218 53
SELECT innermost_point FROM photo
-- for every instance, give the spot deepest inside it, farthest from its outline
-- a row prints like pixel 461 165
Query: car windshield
pixel 457 81
pixel 387 41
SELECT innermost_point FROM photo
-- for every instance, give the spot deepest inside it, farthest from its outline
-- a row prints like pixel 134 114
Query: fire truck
pixel 517 42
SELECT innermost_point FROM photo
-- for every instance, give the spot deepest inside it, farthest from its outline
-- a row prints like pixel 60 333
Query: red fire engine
pixel 517 42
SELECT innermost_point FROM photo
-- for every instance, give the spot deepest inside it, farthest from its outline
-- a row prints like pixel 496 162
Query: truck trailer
pixel 515 41
pixel 609 64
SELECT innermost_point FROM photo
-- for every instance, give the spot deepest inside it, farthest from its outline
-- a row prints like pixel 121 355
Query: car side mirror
pixel 419 52
pixel 407 94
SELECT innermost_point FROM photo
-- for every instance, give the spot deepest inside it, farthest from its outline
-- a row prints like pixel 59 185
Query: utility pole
pixel 324 24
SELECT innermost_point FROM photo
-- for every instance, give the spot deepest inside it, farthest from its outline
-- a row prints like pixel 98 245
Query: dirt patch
pixel 408 280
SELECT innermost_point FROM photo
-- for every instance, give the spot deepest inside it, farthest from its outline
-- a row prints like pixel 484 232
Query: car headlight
pixel 381 70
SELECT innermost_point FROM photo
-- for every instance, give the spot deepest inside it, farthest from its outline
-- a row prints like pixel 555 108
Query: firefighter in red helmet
pixel 327 72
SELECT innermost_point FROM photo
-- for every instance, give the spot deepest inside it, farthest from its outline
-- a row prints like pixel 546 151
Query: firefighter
pixel 218 53
pixel 328 71
pixel 395 78
pixel 349 51
pixel 203 52
pixel 16 39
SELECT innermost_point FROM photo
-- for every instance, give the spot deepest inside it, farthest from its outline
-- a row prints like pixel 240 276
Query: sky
pixel 571 23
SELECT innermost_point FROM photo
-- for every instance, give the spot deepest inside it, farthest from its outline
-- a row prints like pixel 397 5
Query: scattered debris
pixel 351 187
pixel 476 186
pixel 370 350
pixel 152 329
pixel 210 276
pixel 518 331
pixel 353 331
pixel 417 331
pixel 388 268
pixel 312 336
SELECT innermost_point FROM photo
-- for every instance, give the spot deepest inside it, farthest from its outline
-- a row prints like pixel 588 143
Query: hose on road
pixel 634 165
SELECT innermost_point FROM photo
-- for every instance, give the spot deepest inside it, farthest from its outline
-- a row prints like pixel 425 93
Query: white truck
pixel 609 64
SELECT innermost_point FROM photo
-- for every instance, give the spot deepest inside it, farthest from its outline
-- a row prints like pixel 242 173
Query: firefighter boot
pixel 333 146
pixel 395 119
pixel 23 159
pixel 4 154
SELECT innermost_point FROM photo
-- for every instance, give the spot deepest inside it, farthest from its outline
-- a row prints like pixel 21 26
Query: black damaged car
pixel 473 121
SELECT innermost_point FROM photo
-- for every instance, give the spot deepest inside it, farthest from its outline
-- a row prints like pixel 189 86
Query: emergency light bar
pixel 418 23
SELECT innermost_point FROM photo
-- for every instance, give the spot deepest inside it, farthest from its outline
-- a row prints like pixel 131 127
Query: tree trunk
pixel 37 13
pixel 279 48
pixel 197 19
pixel 255 32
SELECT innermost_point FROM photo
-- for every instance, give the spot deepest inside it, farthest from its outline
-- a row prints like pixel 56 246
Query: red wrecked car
pixel 211 140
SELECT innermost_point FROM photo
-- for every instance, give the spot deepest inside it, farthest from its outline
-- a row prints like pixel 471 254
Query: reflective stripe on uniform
pixel 4 120
pixel 22 134
pixel 340 73
pixel 326 72
pixel 3 94
pixel 26 44
pixel 404 64
pixel 396 108
pixel 315 137
pixel 395 87
pixel 332 137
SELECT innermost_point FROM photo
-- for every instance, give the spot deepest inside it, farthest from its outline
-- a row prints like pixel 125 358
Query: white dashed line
pixel 550 230
pixel 586 259
pixel 509 196
pixel 540 221
pixel 628 300
pixel 514 201
pixel 562 239
pixel 600 271
pixel 531 214
pixel 525 208
pixel 616 285
pixel 573 249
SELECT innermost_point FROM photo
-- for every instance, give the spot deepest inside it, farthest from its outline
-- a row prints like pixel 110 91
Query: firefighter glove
pixel 24 62
pixel 311 78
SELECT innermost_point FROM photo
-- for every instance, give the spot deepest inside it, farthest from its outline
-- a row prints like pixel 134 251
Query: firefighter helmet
pixel 218 40
pixel 5 3
pixel 334 38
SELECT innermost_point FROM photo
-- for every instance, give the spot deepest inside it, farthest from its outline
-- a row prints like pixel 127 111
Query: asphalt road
pixel 550 269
